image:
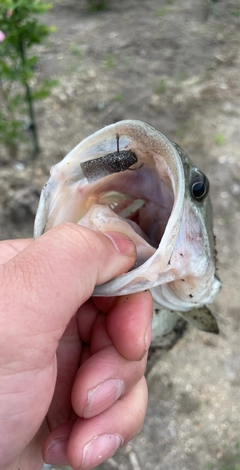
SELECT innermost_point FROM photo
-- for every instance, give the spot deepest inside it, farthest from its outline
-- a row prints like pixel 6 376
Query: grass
pixel 164 10
pixel 76 68
pixel 161 88
pixel 110 61
pixel 161 12
pixel 74 50
pixel 236 13
pixel 119 97
pixel 180 133
pixel 181 77
pixel 98 5
pixel 220 139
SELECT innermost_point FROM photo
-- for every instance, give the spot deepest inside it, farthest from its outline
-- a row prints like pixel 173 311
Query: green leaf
pixel 31 62
pixel 44 90
pixel 11 132
pixel 15 101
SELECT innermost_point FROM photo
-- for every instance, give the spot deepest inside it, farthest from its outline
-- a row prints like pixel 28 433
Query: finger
pixel 86 317
pixel 59 270
pixel 100 338
pixel 92 441
pixel 103 379
pixel 85 353
pixel 69 352
pixel 105 304
pixel 10 248
pixel 129 324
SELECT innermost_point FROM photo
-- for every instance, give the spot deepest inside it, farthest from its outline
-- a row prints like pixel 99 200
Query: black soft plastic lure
pixel 121 160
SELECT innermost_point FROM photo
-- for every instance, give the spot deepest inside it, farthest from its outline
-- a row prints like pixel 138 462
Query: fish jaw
pixel 193 263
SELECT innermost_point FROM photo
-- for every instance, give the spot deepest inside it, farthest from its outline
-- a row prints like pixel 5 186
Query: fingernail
pixel 122 243
pixel 56 452
pixel 100 449
pixel 103 396
pixel 148 336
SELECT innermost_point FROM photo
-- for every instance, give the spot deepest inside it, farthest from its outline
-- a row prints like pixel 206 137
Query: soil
pixel 174 64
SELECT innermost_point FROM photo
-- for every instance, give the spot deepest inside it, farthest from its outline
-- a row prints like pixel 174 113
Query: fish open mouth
pixel 134 200
pixel 126 177
pixel 134 191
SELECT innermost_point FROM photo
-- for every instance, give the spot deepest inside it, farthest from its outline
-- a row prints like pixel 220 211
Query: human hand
pixel 71 367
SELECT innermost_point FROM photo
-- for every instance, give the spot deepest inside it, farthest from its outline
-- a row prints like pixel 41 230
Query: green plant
pixel 220 139
pixel 161 88
pixel 19 31
pixel 119 97
pixel 180 132
pixel 161 12
pixel 236 12
pixel 98 5
pixel 164 10
pixel 74 49
pixel 110 61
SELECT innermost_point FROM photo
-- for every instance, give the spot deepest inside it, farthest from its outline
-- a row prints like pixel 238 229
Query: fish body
pixel 128 177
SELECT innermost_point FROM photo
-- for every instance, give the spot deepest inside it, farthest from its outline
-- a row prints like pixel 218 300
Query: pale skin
pixel 71 366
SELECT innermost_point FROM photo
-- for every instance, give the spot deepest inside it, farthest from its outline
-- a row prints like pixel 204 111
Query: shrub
pixel 19 31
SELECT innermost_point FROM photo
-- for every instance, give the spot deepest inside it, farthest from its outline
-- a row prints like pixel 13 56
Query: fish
pixel 130 178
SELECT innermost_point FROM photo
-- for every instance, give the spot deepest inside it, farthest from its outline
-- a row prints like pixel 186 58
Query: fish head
pixel 194 253
pixel 128 177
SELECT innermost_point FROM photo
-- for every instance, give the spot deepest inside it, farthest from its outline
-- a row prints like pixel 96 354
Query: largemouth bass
pixel 130 178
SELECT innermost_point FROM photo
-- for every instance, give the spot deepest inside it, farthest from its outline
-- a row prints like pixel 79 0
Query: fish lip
pixel 147 137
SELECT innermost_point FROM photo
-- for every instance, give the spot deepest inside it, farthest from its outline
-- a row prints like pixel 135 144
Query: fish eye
pixel 199 185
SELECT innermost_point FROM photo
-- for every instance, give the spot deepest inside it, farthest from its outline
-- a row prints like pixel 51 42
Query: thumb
pixel 44 285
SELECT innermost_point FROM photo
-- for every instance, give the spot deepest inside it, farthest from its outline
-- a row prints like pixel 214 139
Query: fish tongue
pixel 102 218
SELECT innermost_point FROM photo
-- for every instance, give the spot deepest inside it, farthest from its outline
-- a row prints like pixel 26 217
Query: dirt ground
pixel 165 63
